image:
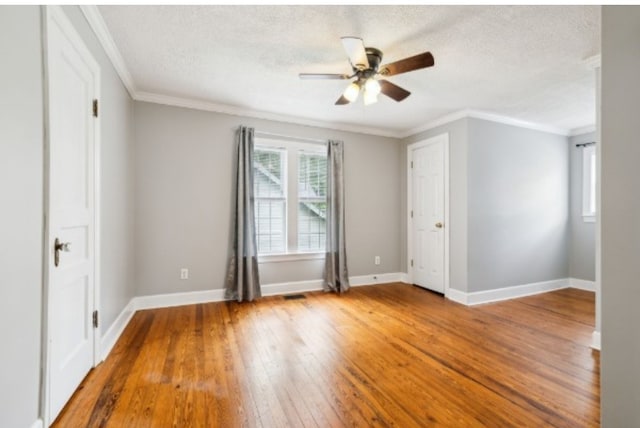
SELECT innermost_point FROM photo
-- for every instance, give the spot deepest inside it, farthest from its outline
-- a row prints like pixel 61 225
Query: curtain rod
pixel 288 137
pixel 585 144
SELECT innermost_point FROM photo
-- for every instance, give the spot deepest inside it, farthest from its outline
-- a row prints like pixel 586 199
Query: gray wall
pixel 620 365
pixel 458 146
pixel 582 244
pixel 184 162
pixel 21 190
pixel 508 204
pixel 116 181
pixel 518 206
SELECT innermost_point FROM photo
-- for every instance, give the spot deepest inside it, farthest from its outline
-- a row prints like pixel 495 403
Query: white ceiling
pixel 523 62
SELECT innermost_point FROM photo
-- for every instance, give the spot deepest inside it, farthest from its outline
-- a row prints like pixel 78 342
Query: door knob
pixel 439 225
pixel 57 247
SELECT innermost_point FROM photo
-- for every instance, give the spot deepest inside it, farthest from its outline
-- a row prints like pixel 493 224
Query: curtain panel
pixel 336 276
pixel 243 282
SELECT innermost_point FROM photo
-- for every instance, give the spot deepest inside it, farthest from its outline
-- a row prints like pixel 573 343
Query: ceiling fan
pixel 365 62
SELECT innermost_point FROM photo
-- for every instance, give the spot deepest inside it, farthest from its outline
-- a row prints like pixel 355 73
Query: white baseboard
pixel 457 296
pixel 291 287
pixel 38 424
pixel 595 340
pixel 582 284
pixel 381 278
pixel 177 299
pixel 193 297
pixel 506 293
pixel 111 336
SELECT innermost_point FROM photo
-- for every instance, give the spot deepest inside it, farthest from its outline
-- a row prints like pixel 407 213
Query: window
pixel 589 183
pixel 290 185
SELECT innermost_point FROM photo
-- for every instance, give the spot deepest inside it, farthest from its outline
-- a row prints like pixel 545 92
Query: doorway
pixel 428 213
pixel 70 347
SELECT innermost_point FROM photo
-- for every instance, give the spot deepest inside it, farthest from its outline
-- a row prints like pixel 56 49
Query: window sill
pixel 291 257
pixel 588 218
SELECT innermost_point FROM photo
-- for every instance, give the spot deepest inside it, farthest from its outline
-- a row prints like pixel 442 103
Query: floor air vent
pixel 294 297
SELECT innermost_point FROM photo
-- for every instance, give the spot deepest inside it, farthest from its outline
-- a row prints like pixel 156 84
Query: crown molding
pixel 582 130
pixel 100 29
pixel 442 120
pixel 257 114
pixel 492 117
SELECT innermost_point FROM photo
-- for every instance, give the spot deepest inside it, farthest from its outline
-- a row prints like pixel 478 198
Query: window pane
pixel 270 226
pixel 312 175
pixel 312 192
pixel 592 184
pixel 311 226
pixel 269 173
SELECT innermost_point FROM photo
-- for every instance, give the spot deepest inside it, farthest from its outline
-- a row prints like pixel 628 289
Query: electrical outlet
pixel 376 260
pixel 184 273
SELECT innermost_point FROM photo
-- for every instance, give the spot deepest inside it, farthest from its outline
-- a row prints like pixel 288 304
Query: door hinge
pixel 411 262
pixel 411 164
pixel 411 213
pixel 95 319
pixel 95 108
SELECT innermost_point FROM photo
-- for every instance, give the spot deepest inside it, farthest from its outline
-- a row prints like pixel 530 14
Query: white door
pixel 428 215
pixel 70 237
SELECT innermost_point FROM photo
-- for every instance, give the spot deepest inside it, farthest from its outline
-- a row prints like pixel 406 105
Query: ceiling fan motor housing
pixel 375 57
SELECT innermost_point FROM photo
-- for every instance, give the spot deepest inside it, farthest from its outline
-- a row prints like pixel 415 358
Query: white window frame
pixel 589 178
pixel 292 149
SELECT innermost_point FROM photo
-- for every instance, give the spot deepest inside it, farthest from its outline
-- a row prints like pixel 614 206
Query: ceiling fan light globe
pixel 352 91
pixel 372 86
pixel 369 97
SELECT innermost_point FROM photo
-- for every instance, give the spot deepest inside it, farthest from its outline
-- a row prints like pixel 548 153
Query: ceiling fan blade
pixel 416 62
pixel 342 101
pixel 393 91
pixel 354 46
pixel 324 76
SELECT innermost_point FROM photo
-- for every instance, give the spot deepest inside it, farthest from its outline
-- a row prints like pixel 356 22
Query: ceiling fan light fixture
pixel 372 86
pixel 369 97
pixel 352 91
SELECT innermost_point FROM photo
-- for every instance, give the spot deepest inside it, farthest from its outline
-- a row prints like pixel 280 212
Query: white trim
pixel 291 287
pixel 442 120
pixel 457 296
pixel 39 423
pixel 588 218
pixel 410 148
pixel 50 14
pixel 177 299
pixel 113 333
pixel 100 29
pixel 596 342
pixel 258 114
pixel 582 130
pixel 492 117
pixel 506 293
pixel 404 277
pixel 382 278
pixel 292 257
pixel 194 297
pixel 582 284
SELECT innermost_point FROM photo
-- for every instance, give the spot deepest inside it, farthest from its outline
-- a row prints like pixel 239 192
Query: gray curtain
pixel 243 282
pixel 336 276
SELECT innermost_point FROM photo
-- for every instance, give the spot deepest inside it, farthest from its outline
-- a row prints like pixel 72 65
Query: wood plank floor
pixel 385 355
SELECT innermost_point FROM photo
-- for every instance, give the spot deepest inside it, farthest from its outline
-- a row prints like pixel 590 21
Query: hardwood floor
pixel 385 355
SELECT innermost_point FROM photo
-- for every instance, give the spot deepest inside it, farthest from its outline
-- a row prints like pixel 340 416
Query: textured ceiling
pixel 525 62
